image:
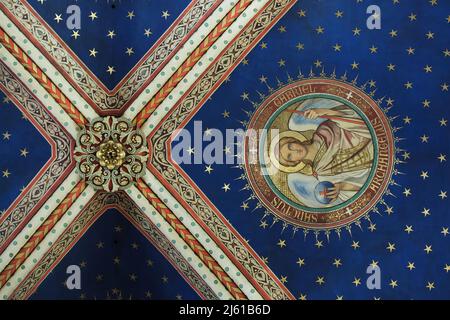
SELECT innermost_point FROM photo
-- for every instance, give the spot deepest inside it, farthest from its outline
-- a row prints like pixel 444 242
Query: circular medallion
pixel 111 153
pixel 319 153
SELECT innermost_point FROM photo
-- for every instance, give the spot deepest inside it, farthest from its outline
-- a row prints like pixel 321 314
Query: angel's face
pixel 293 152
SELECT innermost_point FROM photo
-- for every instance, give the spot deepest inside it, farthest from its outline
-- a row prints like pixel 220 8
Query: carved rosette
pixel 111 153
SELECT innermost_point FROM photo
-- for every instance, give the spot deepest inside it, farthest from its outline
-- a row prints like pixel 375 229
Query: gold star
pixel 208 169
pixel 130 15
pixel 411 266
pixel 443 194
pixel 75 34
pixel 244 96
pixel 339 298
pixel 129 51
pixel 430 35
pixel 393 33
pixel 24 152
pixel 111 34
pixel 373 49
pixel 409 229
pixel 393 284
pixel 442 157
pixel 226 114
pixel 412 17
pixel 320 280
pixel 389 210
pixel 318 63
pixel 407 120
pixel 447 268
pixel 300 262
pixel 445 231
pixel 302 297
pixel 263 224
pixel 226 187
pixel 374 264
pixel 244 205
pixel 356 281
pixel 283 279
pixel 148 32
pixel 281 243
pixel 428 69
pixel 408 85
pixel 355 245
pixel 424 175
pixel 430 285
pixel 300 46
pixel 281 63
pixel 302 13
pixel 356 32
pixel 339 14
pixel 337 263
pixel 320 30
pixel 411 50
pixel 93 15
pixel 434 2
pixel 6 173
pixel 337 47
pixel 263 45
pixel 111 70
pixel 318 244
pixel 446 53
pixel 165 14
pixel 6 135
pixel 428 249
pixel 391 67
pixel 93 52
pixel 407 192
pixel 426 212
pixel 282 29
pixel 444 87
pixel 58 18
pixel 355 65
pixel 426 103
pixel 391 247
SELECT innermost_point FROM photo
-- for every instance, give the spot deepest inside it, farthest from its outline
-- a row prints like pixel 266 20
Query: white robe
pixel 341 135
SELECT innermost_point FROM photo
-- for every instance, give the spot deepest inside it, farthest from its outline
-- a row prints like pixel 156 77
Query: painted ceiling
pixel 95 96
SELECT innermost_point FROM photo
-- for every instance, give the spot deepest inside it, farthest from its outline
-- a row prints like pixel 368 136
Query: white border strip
pixel 41 94
pixel 179 243
pixel 46 243
pixel 169 70
pixel 38 219
pixel 187 220
pixel 49 70
pixel 204 63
